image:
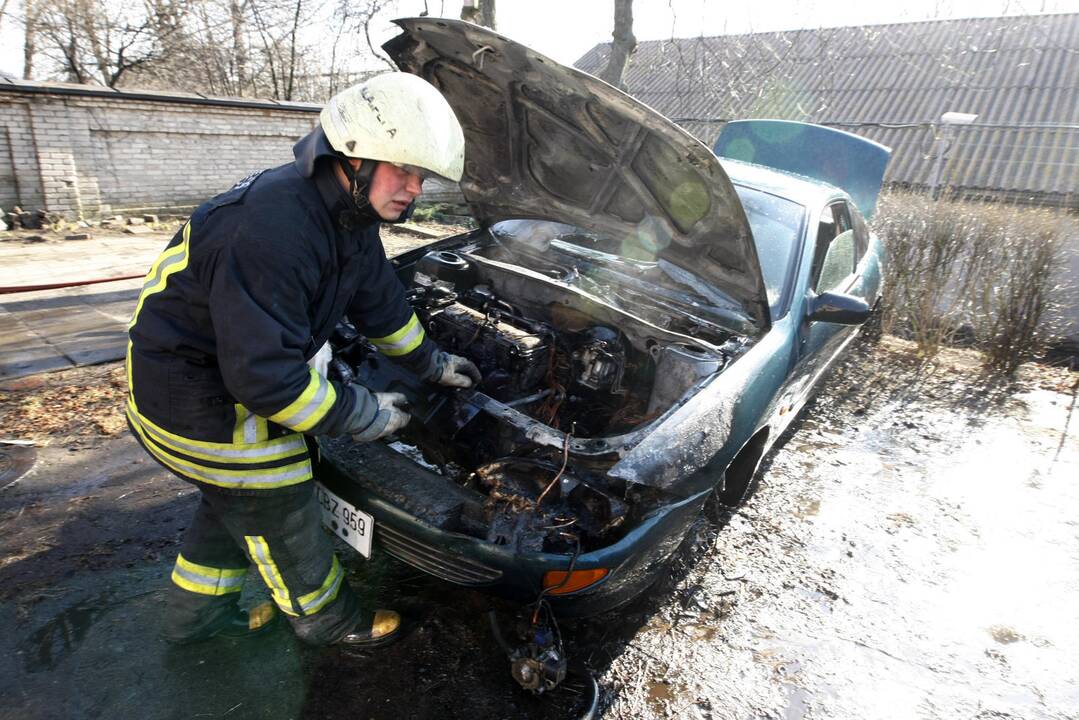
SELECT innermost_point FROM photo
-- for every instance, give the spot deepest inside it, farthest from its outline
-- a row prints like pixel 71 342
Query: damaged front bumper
pixel 416 512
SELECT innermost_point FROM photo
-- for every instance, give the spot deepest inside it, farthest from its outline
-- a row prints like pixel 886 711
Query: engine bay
pixel 570 383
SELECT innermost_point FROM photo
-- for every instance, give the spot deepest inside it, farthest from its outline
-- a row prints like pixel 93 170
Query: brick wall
pixel 80 150
pixel 20 176
pixel 76 150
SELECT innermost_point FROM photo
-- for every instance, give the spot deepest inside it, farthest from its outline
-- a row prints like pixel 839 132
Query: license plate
pixel 346 521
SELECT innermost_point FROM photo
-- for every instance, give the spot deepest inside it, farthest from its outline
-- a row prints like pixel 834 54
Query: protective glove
pixel 455 371
pixel 391 417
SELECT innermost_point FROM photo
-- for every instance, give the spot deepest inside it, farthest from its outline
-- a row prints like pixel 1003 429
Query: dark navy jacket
pixel 240 299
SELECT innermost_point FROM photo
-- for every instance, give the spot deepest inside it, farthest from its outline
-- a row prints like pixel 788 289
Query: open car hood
pixel 547 141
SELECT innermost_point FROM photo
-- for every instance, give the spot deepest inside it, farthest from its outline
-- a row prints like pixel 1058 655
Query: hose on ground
pixel 10 289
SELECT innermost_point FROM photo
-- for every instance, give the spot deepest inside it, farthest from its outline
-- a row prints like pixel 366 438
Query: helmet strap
pixel 359 186
pixel 405 215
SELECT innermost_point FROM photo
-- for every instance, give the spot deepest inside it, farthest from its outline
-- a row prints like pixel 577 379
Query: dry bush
pixel 971 272
pixel 921 239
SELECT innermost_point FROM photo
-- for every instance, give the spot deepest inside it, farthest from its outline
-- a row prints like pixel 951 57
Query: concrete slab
pixel 24 352
pixel 46 333
pixel 56 329
pixel 30 360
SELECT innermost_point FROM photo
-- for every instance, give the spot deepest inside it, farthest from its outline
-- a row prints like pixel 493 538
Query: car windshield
pixel 775 223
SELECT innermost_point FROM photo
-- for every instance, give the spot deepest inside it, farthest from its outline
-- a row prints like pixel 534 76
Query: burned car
pixel 648 318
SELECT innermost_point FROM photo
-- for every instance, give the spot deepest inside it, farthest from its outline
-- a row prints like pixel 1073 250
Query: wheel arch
pixel 740 475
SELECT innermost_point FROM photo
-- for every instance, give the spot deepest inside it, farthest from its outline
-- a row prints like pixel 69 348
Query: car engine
pixel 565 371
pixel 558 370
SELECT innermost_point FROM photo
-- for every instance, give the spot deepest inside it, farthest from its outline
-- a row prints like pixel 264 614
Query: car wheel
pixel 740 479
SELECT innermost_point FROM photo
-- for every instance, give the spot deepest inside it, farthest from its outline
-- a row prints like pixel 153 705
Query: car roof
pixel 799 188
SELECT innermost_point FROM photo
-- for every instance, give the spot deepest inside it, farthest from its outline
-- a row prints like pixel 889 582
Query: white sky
pixel 566 29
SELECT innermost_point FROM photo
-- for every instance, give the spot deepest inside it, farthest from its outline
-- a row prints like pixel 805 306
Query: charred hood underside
pixel 549 142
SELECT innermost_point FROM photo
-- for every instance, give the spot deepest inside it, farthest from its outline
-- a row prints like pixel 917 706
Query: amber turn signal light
pixel 559 582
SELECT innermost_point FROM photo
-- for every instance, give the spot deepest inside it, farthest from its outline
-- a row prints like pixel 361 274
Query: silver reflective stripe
pixel 174 260
pixel 297 419
pixel 253 478
pixel 409 338
pixel 251 427
pixel 329 592
pixel 272 447
pixel 261 554
pixel 212 580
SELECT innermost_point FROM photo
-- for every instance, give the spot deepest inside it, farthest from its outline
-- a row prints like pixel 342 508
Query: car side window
pixel 861 232
pixel 836 247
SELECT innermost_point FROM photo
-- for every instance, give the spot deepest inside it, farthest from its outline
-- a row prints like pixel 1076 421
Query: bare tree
pixel 31 14
pixel 91 40
pixel 623 46
pixel 261 48
pixel 356 18
pixel 278 24
pixel 238 17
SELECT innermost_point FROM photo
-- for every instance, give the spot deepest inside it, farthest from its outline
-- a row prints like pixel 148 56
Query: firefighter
pixel 224 389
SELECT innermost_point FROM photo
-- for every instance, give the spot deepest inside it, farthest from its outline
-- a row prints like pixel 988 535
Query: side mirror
pixel 838 308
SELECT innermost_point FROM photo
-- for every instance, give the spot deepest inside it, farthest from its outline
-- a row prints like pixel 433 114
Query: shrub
pixel 965 271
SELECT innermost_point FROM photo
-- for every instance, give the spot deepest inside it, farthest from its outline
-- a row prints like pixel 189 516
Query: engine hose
pixel 577 670
pixel 10 289
pixel 592 692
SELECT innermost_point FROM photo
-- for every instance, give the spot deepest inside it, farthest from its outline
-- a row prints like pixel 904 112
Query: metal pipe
pixel 529 398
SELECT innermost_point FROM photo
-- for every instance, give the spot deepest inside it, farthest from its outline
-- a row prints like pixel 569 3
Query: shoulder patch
pixel 244 182
pixel 235 193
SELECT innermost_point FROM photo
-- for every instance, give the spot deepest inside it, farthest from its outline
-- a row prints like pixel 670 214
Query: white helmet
pixel 398 118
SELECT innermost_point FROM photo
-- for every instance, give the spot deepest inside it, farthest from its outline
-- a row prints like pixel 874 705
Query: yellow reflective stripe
pixel 314 601
pixel 168 262
pixel 250 428
pixel 200 588
pixel 310 407
pixel 317 410
pixel 260 554
pixel 130 385
pixel 171 260
pixel 207 580
pixel 403 341
pixel 399 334
pixel 264 479
pixel 208 570
pixel 260 452
pixel 240 431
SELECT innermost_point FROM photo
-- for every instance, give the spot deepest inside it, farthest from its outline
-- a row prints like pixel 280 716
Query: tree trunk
pixel 292 50
pixel 623 46
pixel 239 47
pixel 29 46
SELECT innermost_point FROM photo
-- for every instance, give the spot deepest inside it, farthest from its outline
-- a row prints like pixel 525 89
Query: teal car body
pixel 770 292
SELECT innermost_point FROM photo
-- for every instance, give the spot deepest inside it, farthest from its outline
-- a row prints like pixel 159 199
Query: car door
pixel 839 248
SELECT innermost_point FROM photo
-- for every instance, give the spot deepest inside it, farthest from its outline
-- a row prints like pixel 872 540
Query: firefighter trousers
pixel 279 535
